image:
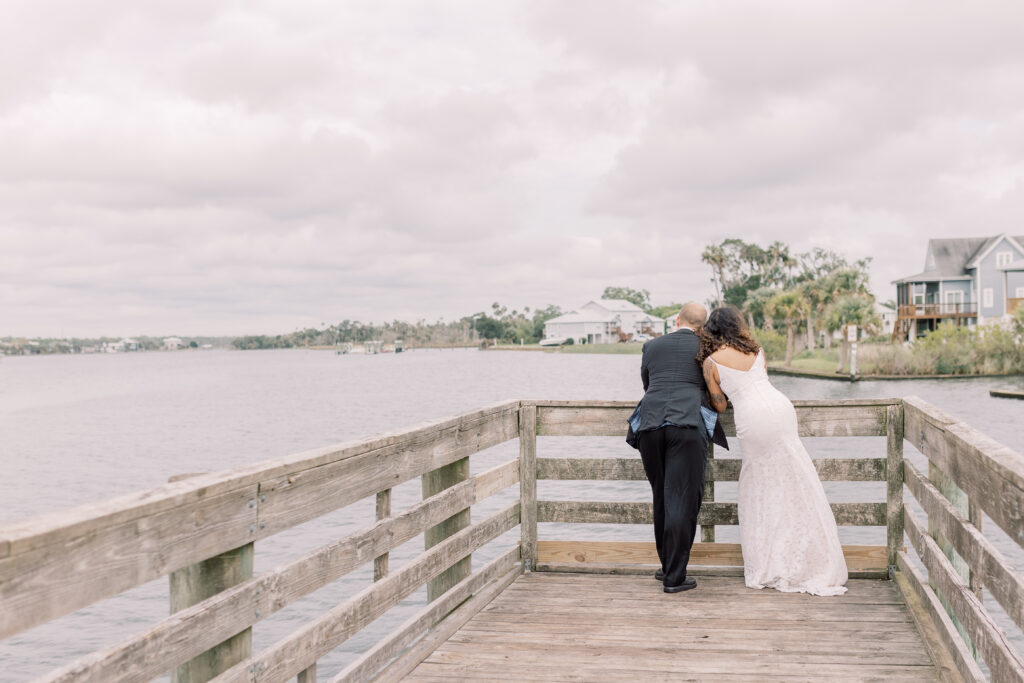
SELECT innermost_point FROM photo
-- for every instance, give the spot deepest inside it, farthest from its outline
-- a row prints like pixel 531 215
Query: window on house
pixel 1004 258
pixel 954 297
pixel 918 294
pixel 986 297
pixel 1019 293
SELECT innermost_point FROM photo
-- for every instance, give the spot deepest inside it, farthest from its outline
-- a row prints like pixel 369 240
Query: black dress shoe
pixel 688 583
pixel 659 575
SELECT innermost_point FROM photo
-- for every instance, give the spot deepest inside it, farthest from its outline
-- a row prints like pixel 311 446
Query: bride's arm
pixel 715 395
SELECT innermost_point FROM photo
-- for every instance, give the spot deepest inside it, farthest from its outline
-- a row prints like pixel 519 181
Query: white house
pixel 173 343
pixel 598 322
pixel 888 316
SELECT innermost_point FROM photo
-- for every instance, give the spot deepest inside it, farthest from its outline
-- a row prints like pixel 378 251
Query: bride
pixel 787 531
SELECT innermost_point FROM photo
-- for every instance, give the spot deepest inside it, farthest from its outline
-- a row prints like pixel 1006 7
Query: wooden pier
pixel 544 608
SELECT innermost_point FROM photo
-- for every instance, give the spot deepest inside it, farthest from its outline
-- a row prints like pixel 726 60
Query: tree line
pixel 819 290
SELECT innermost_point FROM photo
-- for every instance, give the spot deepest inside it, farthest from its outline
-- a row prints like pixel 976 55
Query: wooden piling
pixel 198 582
pixel 434 482
pixel 380 563
pixel 528 483
pixel 707 531
pixel 894 431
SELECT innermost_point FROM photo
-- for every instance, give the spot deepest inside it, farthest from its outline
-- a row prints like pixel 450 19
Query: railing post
pixel 198 582
pixel 707 532
pixel 433 483
pixel 528 483
pixel 308 675
pixel 380 563
pixel 894 431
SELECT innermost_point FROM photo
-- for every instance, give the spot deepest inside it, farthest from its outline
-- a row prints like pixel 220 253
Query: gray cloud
pixel 232 167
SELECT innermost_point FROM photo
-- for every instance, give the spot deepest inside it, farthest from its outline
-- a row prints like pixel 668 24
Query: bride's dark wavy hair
pixel 725 327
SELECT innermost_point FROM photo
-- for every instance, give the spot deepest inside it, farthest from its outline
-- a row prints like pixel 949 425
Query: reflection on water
pixel 76 429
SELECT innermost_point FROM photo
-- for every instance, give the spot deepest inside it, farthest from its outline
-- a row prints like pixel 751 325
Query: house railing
pixel 1012 304
pixel 937 310
pixel 200 531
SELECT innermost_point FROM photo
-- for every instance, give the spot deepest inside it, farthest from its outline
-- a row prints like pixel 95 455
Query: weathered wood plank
pixel 604 512
pixel 1000 656
pixel 189 632
pixel 49 581
pixel 410 659
pixel 998 574
pixel 528 483
pixel 894 481
pixel 380 563
pixel 370 662
pixel 727 554
pixel 433 483
pixel 66 525
pixel 196 583
pixel 707 531
pixel 990 473
pixel 948 650
pixel 719 469
pixel 307 645
pixel 305 493
pixel 498 478
pixel 814 418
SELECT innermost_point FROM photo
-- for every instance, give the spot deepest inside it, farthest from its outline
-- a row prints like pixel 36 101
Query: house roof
pixel 617 305
pixel 949 259
pixel 991 243
pixel 589 316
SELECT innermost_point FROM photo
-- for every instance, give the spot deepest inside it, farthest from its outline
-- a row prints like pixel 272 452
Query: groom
pixel 673 442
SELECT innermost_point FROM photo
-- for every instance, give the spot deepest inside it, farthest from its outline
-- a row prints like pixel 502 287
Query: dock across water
pixel 544 608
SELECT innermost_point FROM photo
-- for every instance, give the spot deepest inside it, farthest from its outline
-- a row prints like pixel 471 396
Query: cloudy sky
pixel 209 166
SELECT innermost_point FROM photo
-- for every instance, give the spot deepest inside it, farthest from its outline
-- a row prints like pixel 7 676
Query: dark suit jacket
pixel 674 387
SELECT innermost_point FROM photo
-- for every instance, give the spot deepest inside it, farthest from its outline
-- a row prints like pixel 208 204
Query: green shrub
pixel 773 343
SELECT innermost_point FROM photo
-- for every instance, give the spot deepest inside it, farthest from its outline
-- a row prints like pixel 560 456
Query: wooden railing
pixel 1013 304
pixel 205 525
pixel 968 473
pixel 200 531
pixel 937 310
pixel 868 417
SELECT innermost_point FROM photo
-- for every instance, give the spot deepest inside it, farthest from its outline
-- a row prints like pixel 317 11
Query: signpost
pixel 851 336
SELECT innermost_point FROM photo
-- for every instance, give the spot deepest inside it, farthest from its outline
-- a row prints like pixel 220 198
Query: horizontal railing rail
pixel 933 310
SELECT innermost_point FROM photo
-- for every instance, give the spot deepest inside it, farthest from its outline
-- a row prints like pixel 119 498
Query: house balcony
pixel 1013 304
pixel 914 311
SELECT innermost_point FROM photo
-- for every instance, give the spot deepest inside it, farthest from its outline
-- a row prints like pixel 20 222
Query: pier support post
pixel 433 483
pixel 528 485
pixel 894 431
pixel 707 532
pixel 380 563
pixel 198 582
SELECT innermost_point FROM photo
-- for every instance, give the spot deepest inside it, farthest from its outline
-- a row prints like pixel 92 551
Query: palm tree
pixel 851 309
pixel 714 255
pixel 791 306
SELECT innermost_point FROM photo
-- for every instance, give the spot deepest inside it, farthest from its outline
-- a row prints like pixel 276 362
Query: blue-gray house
pixel 965 281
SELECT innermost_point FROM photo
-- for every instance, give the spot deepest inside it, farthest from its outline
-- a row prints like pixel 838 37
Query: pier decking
pixel 558 608
pixel 586 627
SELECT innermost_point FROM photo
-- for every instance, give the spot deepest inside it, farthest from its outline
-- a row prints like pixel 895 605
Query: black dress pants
pixel 674 459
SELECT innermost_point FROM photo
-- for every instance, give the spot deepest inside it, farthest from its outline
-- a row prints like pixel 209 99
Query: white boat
pixel 553 341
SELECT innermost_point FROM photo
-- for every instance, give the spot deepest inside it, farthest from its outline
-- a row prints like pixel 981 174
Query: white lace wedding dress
pixel 787 530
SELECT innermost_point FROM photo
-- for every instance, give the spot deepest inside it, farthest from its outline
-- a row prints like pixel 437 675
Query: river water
pixel 79 429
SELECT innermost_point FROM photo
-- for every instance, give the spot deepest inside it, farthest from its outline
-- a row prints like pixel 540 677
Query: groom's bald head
pixel 693 314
